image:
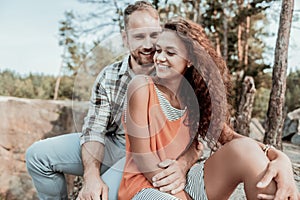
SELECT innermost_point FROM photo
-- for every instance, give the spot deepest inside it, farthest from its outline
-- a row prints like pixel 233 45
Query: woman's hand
pixel 173 178
pixel 280 169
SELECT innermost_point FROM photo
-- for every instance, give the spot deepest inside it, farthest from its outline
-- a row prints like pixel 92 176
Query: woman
pixel 186 100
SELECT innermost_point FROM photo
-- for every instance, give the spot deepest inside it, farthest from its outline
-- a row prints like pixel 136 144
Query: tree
pixel 73 52
pixel 275 117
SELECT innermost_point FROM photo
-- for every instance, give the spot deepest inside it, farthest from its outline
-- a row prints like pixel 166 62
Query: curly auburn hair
pixel 209 78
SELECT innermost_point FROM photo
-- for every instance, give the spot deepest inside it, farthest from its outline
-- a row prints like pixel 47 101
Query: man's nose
pixel 148 43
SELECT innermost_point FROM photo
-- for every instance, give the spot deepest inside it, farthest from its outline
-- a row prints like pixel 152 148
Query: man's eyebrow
pixel 140 33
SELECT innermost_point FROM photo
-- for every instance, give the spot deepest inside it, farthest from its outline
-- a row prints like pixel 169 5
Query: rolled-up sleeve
pixel 97 119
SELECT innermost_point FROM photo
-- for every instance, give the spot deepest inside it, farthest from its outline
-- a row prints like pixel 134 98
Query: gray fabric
pixel 48 160
pixel 194 187
pixel 153 194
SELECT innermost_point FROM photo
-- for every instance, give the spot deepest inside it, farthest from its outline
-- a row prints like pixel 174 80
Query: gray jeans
pixel 48 160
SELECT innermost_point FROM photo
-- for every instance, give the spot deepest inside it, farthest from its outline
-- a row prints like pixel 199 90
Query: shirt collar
pixel 125 65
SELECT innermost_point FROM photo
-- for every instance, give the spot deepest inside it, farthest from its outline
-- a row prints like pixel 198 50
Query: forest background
pixel 90 40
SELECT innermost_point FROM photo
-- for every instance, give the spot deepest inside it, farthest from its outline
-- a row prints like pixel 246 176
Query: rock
pixel 290 127
pixel 291 124
pixel 24 121
pixel 295 114
pixel 296 139
pixel 257 131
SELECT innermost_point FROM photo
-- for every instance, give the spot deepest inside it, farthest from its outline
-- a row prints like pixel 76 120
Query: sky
pixel 29 35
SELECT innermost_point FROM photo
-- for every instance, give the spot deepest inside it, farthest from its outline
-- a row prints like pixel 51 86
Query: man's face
pixel 141 36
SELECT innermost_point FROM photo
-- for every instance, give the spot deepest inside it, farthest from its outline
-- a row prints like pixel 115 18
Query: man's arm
pixel 280 169
pixel 92 154
pixel 92 142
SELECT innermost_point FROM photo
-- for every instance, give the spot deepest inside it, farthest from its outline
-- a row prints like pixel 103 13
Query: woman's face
pixel 170 57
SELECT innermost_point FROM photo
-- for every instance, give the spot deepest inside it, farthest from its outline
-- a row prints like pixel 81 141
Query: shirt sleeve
pixel 97 119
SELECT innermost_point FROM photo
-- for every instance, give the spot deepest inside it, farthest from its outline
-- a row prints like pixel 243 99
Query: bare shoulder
pixel 139 86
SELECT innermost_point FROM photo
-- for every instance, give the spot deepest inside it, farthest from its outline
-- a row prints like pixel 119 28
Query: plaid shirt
pixel 106 104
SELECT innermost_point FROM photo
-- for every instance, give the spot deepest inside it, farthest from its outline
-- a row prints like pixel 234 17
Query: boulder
pixel 257 131
pixel 291 125
pixel 24 121
pixel 296 139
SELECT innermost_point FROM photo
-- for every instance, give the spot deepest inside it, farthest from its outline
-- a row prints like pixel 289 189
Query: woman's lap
pixel 194 187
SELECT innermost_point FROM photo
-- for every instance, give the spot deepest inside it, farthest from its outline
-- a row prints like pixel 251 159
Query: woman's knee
pixel 245 148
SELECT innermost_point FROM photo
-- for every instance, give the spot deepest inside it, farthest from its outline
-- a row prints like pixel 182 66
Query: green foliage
pixel 292 101
pixel 292 96
pixel 33 86
pixel 221 20
pixel 72 49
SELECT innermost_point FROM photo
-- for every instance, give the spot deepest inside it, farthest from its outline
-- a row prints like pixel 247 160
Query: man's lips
pixel 147 53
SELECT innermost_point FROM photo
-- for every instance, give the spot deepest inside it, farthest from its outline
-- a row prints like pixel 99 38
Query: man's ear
pixel 124 38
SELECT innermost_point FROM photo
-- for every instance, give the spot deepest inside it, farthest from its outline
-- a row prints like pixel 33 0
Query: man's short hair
pixel 139 6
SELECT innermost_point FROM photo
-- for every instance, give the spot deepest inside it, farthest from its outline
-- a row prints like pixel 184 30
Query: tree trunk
pixel 56 87
pixel 240 34
pixel 275 116
pixel 225 27
pixel 240 72
pixel 247 34
pixel 242 124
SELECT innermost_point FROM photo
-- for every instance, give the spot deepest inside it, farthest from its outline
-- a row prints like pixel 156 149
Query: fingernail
pixel 154 184
pixel 259 184
pixel 153 179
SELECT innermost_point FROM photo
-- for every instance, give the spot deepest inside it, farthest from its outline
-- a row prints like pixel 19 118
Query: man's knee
pixel 33 155
pixel 30 157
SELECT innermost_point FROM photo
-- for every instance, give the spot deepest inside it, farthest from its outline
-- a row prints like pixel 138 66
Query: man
pixel 48 160
pixel 97 153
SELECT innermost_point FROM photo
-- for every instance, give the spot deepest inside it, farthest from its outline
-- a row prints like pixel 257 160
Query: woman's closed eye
pixel 169 53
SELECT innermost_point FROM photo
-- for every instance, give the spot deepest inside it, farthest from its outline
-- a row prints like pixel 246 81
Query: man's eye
pixel 138 37
pixel 158 50
pixel 154 35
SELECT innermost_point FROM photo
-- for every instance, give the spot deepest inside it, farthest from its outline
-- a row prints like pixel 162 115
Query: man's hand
pixel 92 154
pixel 173 178
pixel 280 170
pixel 93 188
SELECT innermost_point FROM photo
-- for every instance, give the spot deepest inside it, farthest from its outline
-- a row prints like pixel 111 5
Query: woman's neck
pixel 170 89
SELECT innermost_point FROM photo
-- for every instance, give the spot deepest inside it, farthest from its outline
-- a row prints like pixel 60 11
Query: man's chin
pixel 147 64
